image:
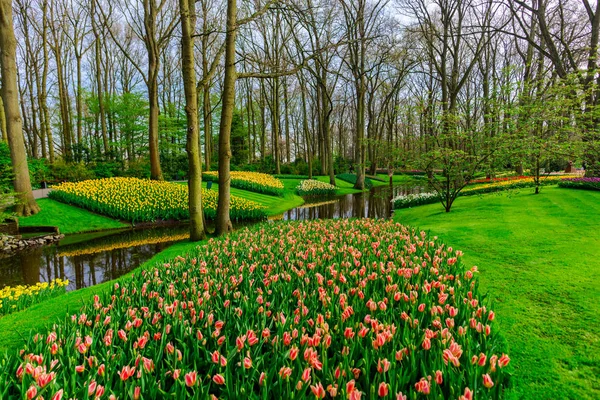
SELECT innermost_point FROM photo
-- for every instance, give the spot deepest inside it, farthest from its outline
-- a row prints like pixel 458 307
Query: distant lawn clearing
pixel 538 256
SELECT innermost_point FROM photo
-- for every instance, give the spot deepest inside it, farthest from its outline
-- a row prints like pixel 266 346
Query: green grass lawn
pixel 69 219
pixel 539 260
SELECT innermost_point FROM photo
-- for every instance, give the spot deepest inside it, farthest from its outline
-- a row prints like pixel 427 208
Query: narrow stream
pixel 92 258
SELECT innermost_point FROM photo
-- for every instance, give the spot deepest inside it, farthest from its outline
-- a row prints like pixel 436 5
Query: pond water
pixel 89 259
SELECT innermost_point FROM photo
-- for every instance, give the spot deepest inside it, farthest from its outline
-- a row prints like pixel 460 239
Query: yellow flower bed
pixel 252 181
pixel 17 298
pixel 141 200
pixel 512 184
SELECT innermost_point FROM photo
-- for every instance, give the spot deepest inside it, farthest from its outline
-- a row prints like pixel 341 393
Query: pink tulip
pixel 190 378
pixel 58 395
pixel 31 392
pixel 262 378
pixel 218 379
pixel 137 393
pixel 92 388
pixel 247 363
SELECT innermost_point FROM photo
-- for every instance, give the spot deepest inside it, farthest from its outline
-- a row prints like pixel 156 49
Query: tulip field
pixel 351 309
pixel 312 187
pixel 140 200
pixel 252 181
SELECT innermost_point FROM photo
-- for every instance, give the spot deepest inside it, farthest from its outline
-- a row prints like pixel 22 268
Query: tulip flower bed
pixel 347 308
pixel 312 187
pixel 17 298
pixel 580 183
pixel 139 200
pixel 252 181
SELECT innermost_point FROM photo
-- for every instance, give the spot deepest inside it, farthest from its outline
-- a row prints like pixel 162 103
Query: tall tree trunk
pixel 275 125
pixel 223 219
pixel 188 23
pixel 153 67
pixel 43 89
pixel 360 135
pixel 14 127
pixel 2 121
pixel 207 117
pixel 287 121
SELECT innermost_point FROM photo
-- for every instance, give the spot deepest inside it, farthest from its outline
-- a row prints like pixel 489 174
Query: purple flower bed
pixel 580 183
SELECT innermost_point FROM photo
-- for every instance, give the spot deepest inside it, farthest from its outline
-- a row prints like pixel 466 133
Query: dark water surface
pixel 92 258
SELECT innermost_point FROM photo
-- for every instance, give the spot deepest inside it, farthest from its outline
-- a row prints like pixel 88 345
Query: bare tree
pixel 187 10
pixel 14 129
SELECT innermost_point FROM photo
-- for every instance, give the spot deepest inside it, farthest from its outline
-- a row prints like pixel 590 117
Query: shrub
pixel 70 172
pixel 139 200
pixel 276 312
pixel 312 187
pixel 252 181
pixel 580 183
pixel 351 178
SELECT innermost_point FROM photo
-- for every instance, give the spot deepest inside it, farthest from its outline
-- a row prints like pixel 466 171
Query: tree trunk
pixel 2 121
pixel 207 117
pixel 43 89
pixel 275 125
pixel 152 48
pixel 188 22
pixel 14 128
pixel 223 220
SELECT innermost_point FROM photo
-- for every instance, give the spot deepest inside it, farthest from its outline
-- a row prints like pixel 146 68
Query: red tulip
pixel 285 372
pixel 137 393
pixel 439 379
pixel 247 363
pixel 306 374
pixel 503 361
pixel 318 390
pixel 487 381
pixel 383 389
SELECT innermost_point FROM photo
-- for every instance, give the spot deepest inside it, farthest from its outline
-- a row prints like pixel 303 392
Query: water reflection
pixel 376 203
pixel 87 260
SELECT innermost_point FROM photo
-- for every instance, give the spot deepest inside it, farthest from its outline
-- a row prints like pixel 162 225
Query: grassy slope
pixel 538 257
pixel 15 327
pixel 69 219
